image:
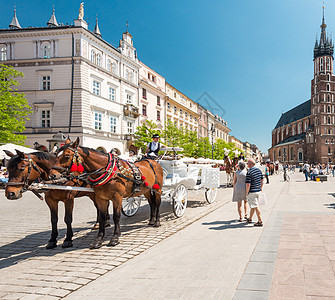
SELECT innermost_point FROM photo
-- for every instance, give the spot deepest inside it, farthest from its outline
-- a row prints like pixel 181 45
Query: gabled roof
pixel 301 111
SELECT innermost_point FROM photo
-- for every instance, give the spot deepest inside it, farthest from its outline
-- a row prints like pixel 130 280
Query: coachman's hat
pixel 155 136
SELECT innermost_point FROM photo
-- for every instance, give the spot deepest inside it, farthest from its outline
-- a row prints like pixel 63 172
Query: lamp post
pixel 213 131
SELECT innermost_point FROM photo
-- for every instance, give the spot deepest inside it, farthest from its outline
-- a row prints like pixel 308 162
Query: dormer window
pixel 46 50
pixel 3 52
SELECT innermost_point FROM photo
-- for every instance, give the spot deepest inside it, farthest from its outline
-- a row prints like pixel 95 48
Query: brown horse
pixel 110 182
pixel 40 165
pixel 229 170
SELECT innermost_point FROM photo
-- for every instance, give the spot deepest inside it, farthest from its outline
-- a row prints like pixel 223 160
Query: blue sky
pixel 255 58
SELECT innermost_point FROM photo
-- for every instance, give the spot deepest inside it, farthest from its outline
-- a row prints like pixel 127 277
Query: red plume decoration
pixel 80 168
pixel 145 183
pixel 155 186
pixel 74 168
pixel 143 177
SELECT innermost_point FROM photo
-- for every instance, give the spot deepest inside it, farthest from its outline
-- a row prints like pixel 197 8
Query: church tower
pixel 321 137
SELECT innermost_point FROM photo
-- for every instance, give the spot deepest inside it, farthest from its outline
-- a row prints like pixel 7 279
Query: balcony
pixel 131 111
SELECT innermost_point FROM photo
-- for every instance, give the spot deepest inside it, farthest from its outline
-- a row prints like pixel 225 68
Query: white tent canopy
pixel 11 148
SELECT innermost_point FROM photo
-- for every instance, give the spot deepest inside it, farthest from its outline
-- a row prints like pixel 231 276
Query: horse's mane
pixel 85 150
pixel 44 155
pixel 13 162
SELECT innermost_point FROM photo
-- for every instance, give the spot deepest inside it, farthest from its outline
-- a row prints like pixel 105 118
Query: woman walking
pixel 240 193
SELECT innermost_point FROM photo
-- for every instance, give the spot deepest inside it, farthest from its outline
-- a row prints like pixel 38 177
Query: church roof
pixel 301 111
pixel 292 139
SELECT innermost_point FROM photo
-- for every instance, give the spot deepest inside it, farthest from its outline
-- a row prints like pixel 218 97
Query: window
pixel 291 153
pixel 299 128
pixel 46 50
pixel 113 122
pixel 130 127
pixel 328 87
pixel 46 83
pixel 148 75
pixel 158 101
pixel 168 105
pixel 328 109
pixel 328 120
pixel 98 121
pixel 127 74
pixel 129 99
pixel 328 76
pixel 45 118
pixel 175 95
pixel 175 110
pixel 191 118
pixel 321 64
pixel 114 68
pixel 185 115
pixel 144 93
pixel 109 65
pixel 93 56
pixel 181 112
pixel 158 115
pixel 99 59
pixel 328 98
pixel 111 93
pixel 328 64
pixel 96 87
pixel 131 77
pixel 144 110
pixel 3 52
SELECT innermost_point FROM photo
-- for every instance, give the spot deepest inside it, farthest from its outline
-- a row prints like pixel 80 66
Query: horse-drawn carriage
pixel 179 178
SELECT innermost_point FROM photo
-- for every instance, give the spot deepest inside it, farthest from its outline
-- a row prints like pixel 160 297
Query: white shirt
pixel 154 146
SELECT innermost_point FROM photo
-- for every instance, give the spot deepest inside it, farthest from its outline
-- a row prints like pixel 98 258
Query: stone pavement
pixel 29 271
pixel 206 254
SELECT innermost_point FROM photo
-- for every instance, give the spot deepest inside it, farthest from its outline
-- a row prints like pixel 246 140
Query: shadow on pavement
pixel 230 224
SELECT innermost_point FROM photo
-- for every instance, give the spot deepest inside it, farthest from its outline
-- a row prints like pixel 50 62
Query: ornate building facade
pixel 307 132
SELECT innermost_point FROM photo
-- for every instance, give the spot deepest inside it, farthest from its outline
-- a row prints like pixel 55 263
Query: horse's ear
pixel 68 141
pixel 76 143
pixel 10 154
pixel 19 153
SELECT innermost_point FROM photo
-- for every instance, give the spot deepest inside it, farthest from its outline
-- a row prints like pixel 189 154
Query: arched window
pixel 321 64
pixel 93 56
pixel 328 87
pixel 127 74
pixel 291 153
pixel 314 89
pixel 328 77
pixel 328 120
pixel 46 50
pixel 328 64
pixel 3 52
pixel 328 109
pixel 99 57
pixel 299 128
pixel 328 98
pixel 114 68
pixel 131 77
pixel 109 65
pixel 327 142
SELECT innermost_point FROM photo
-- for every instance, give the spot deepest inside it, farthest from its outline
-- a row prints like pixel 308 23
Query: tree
pixel 144 133
pixel 14 108
pixel 172 135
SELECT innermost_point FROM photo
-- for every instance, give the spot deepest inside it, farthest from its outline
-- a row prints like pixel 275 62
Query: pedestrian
pixel 305 170
pixel 333 170
pixel 240 192
pixel 267 167
pixel 254 185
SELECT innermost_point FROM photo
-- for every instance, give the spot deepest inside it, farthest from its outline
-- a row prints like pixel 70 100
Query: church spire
pixel 52 21
pixel 15 22
pixel 96 30
pixel 325 46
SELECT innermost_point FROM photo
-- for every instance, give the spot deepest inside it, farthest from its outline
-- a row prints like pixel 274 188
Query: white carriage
pixel 179 178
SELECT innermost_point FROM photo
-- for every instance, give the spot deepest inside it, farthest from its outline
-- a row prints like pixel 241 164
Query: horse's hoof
pixel 113 242
pixel 151 223
pixel 157 224
pixel 67 244
pixel 108 225
pixel 96 245
pixel 51 245
pixel 95 226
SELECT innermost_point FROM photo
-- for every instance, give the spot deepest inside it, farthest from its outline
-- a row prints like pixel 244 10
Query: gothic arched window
pixel 93 56
pixel 328 87
pixel 109 65
pixel 328 109
pixel 328 77
pixel 321 64
pixel 328 98
pixel 328 120
pixel 46 50
pixel 328 64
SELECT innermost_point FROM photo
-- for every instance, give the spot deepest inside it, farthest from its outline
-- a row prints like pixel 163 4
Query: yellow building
pixel 180 110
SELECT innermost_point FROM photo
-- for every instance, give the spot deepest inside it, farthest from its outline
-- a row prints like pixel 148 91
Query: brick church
pixel 306 132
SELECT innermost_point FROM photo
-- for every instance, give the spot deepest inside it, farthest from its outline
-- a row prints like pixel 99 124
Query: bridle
pixel 31 166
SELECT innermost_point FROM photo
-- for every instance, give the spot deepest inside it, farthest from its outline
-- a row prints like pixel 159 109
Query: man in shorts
pixel 254 184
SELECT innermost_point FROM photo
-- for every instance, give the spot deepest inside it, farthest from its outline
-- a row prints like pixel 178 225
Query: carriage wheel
pixel 179 200
pixel 130 206
pixel 210 194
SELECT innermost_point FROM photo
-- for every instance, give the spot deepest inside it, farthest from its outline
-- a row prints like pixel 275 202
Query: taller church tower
pixel 321 137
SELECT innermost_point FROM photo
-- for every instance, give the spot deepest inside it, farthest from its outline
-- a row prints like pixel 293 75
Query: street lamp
pixel 213 131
